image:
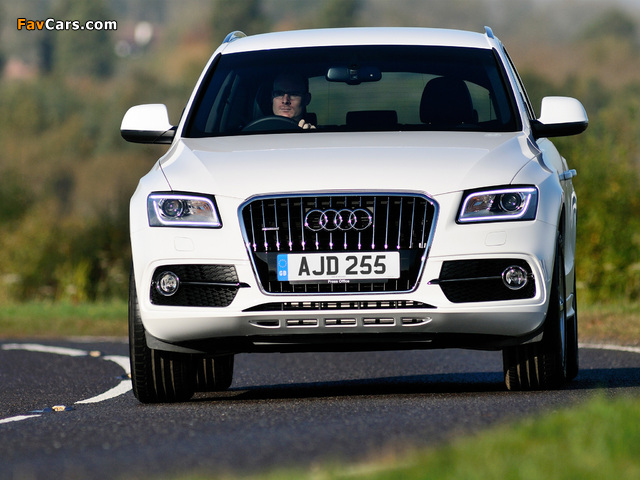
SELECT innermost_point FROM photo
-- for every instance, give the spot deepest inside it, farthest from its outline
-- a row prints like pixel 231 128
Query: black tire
pixel 157 376
pixel 543 365
pixel 214 374
pixel 573 359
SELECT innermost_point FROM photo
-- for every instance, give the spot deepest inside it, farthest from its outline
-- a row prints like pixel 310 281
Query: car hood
pixel 431 162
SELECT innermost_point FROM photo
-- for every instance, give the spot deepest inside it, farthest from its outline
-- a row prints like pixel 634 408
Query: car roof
pixel 360 36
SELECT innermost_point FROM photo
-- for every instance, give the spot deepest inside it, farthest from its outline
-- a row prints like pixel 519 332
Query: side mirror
pixel 147 124
pixel 560 116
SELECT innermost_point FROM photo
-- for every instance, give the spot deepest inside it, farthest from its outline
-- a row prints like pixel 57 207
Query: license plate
pixel 338 267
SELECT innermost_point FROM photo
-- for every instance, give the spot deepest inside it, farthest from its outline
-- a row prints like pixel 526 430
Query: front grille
pixel 200 286
pixel 276 225
pixel 465 281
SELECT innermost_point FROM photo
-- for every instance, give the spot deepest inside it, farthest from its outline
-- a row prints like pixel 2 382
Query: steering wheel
pixel 271 123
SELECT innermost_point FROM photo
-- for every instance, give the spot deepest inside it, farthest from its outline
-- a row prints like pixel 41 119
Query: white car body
pixel 441 168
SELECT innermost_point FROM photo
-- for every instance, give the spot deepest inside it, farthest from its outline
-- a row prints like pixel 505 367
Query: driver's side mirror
pixel 559 117
pixel 147 124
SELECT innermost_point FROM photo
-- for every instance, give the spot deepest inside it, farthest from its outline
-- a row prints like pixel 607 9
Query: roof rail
pixel 234 36
pixel 489 32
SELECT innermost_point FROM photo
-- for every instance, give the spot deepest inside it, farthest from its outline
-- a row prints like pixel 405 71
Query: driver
pixel 290 98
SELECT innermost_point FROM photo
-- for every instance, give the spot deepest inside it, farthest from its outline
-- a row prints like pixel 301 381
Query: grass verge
pixel 594 441
pixel 615 323
pixel 62 319
pixel 610 323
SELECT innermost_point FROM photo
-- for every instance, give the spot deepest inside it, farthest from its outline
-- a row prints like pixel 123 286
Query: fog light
pixel 167 283
pixel 515 277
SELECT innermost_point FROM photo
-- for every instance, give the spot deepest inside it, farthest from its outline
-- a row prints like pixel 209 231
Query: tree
pixel 232 15
pixel 81 52
pixel 613 23
pixel 339 13
pixel 2 13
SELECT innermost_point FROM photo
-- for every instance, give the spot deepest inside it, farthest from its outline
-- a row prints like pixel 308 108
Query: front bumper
pixel 425 317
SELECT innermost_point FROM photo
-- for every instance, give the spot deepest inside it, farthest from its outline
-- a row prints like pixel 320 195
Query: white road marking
pixel 123 387
pixel 17 418
pixel 125 384
pixel 120 360
pixel 34 347
pixel 617 348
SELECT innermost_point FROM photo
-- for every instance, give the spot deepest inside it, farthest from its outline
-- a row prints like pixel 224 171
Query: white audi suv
pixel 353 189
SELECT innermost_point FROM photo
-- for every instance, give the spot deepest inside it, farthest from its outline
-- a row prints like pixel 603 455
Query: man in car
pixel 291 97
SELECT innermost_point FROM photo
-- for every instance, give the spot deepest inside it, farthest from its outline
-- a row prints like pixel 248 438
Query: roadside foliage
pixel 66 175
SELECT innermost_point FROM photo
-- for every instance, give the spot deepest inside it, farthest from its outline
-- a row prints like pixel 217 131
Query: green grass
pixel 599 440
pixel 615 322
pixel 596 440
pixel 63 319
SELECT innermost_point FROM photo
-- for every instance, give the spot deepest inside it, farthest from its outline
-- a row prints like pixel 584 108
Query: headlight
pixel 182 210
pixel 518 203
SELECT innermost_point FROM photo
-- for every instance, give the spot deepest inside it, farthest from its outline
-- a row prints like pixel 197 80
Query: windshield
pixel 354 88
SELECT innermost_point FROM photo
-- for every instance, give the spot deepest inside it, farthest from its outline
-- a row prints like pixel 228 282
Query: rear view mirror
pixel 559 117
pixel 353 75
pixel 147 124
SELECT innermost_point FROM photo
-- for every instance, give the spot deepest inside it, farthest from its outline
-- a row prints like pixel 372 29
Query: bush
pixel 49 258
pixel 608 190
pixel 66 177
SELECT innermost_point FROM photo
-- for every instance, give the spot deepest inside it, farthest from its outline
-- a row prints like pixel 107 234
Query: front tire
pixel 573 360
pixel 157 376
pixel 545 364
pixel 214 374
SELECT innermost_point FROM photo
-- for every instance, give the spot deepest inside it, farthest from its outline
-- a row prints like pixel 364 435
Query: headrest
pixel 446 101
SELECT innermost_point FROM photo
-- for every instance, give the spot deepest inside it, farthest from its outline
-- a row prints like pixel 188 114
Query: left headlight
pixel 182 210
pixel 501 204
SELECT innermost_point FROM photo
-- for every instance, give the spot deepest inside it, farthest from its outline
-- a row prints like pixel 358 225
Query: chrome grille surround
pixel 402 222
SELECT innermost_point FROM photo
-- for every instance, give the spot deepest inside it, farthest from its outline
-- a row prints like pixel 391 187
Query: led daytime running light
pixel 176 210
pixel 499 205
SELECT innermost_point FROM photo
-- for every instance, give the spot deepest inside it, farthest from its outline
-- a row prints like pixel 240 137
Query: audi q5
pixel 353 189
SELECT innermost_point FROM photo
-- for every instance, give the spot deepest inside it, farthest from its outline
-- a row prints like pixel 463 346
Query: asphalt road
pixel 282 410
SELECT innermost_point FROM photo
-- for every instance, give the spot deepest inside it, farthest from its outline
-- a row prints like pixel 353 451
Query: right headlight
pixel 182 210
pixel 500 204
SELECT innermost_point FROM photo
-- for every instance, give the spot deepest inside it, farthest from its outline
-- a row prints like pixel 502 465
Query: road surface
pixel 67 411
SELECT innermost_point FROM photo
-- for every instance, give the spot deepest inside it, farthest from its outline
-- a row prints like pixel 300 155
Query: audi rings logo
pixel 331 220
